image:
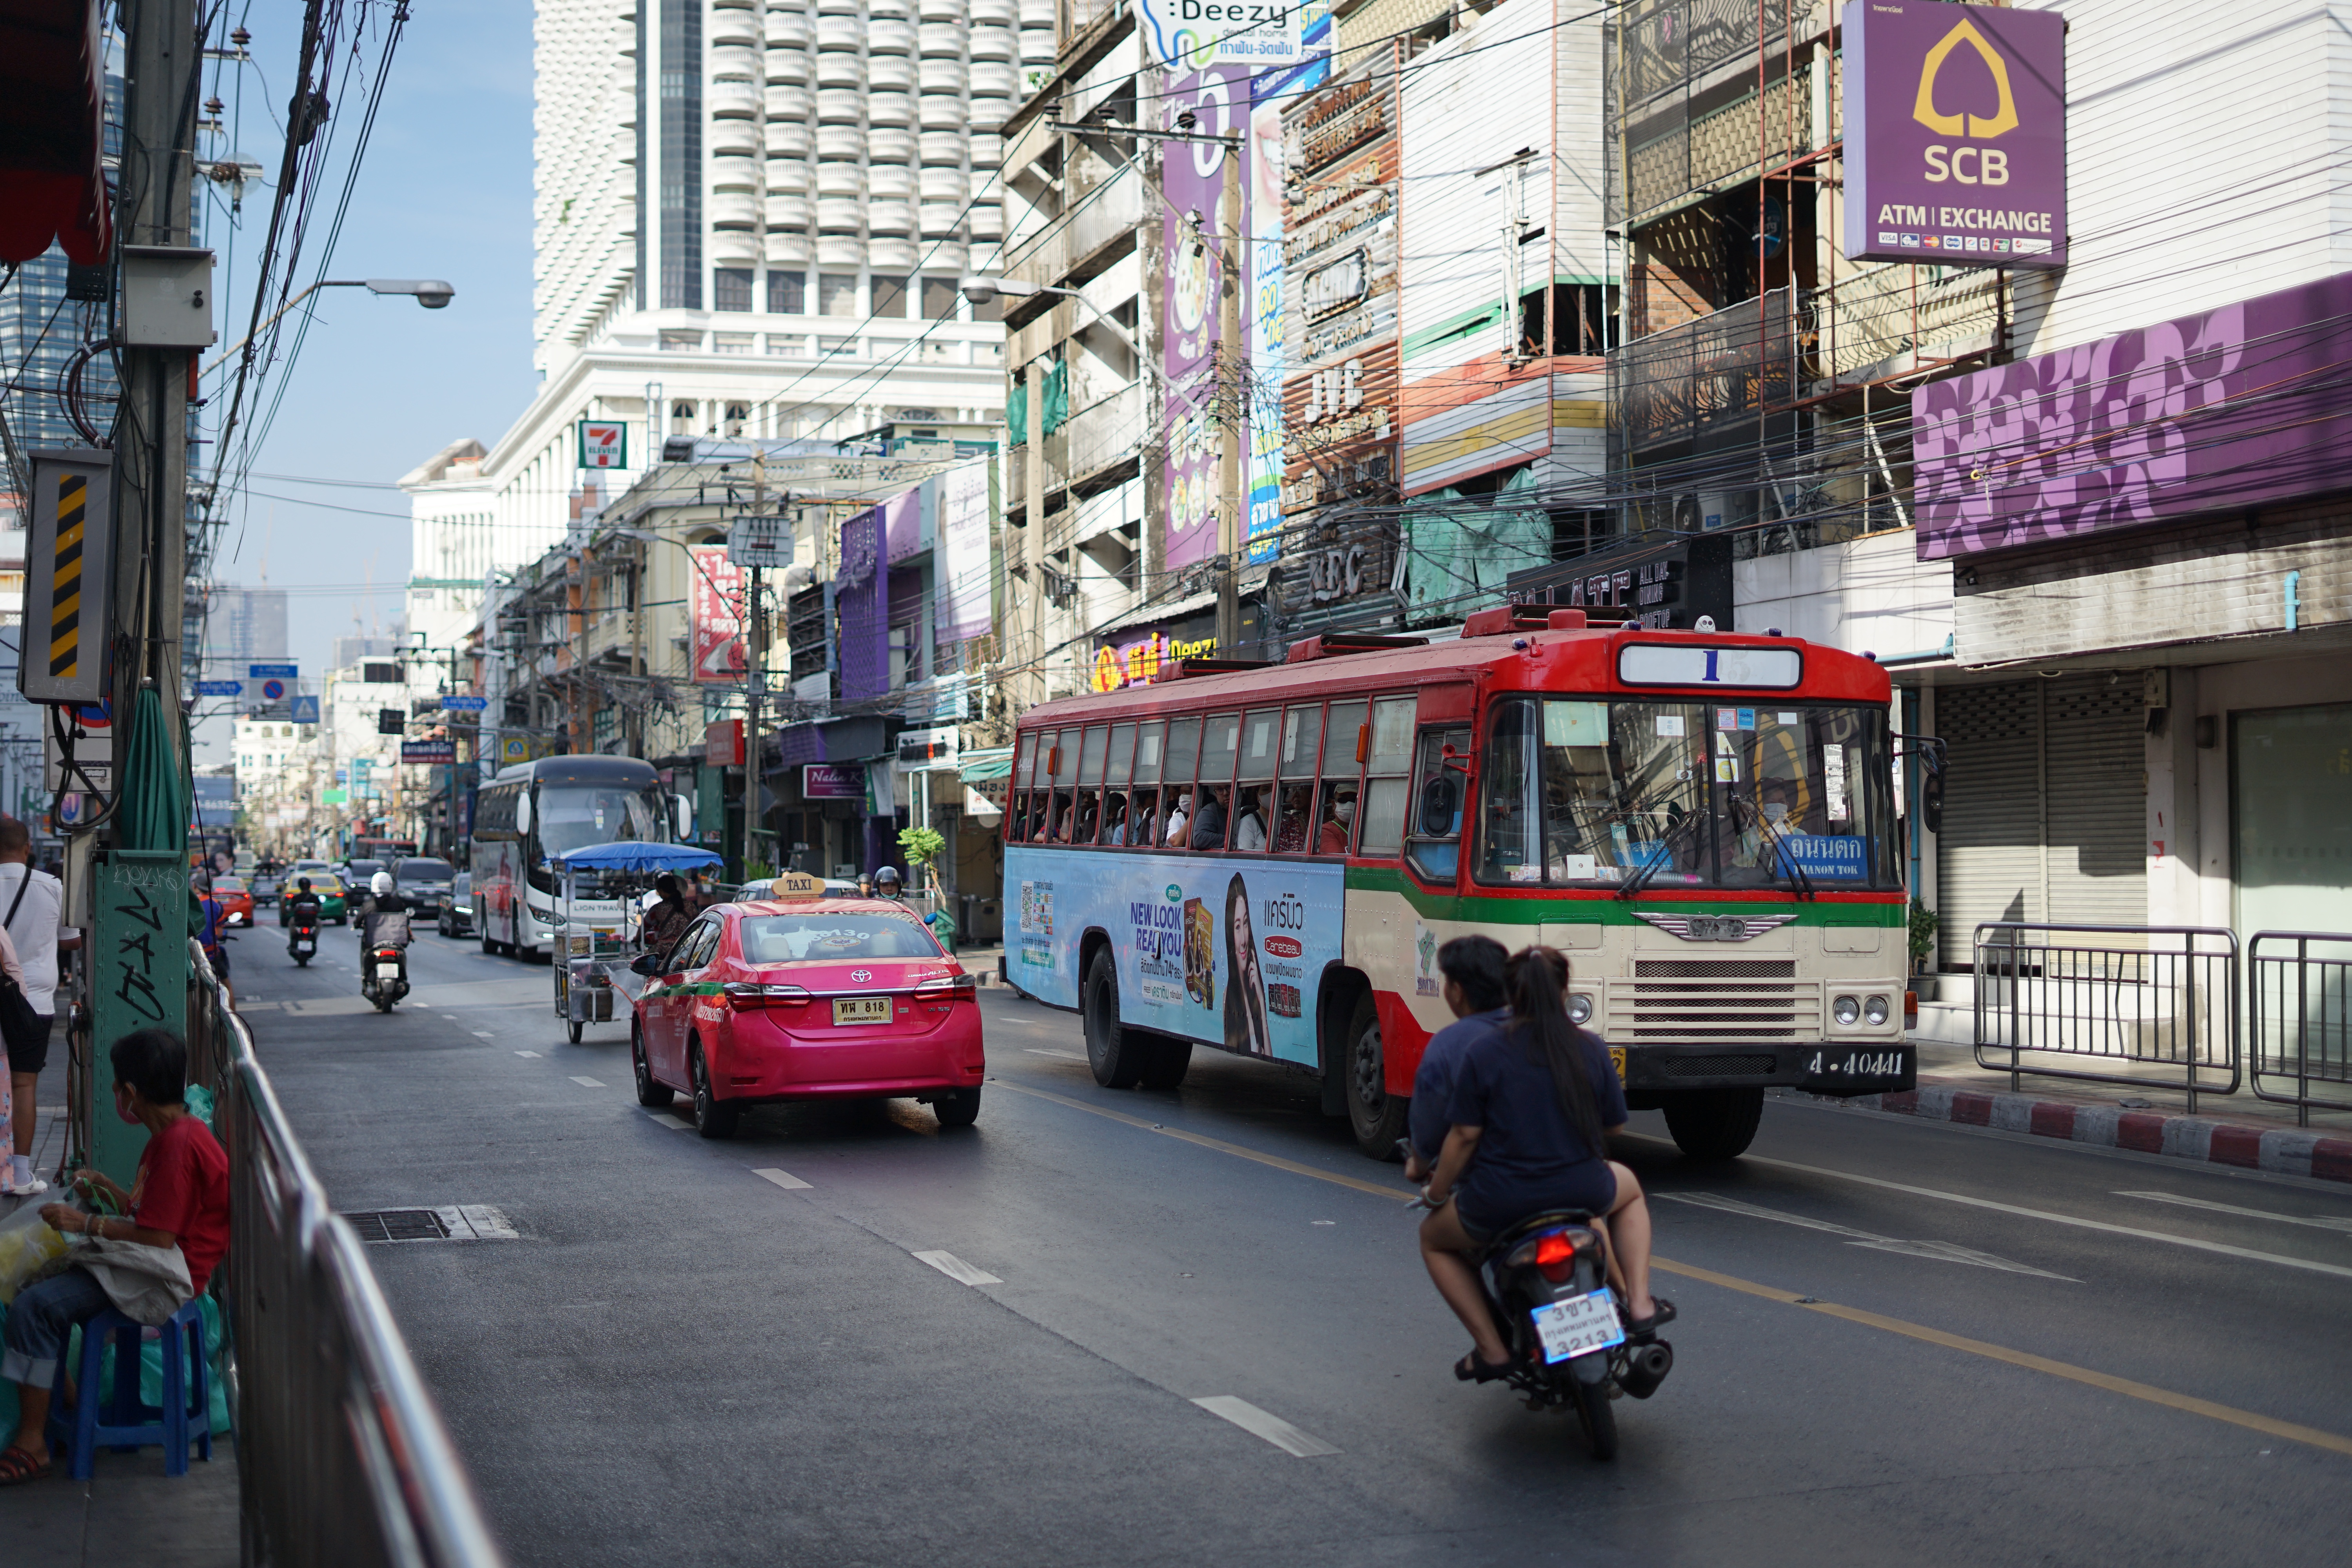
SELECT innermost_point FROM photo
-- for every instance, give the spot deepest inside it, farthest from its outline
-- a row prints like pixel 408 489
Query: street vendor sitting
pixel 669 919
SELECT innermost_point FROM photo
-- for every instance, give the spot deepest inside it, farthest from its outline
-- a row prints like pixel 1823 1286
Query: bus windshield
pixel 1599 791
pixel 573 817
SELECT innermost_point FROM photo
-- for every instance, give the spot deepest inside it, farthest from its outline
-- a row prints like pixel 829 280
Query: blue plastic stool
pixel 128 1422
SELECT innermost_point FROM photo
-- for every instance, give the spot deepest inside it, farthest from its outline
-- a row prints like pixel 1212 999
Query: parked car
pixel 458 910
pixel 235 901
pixel 425 882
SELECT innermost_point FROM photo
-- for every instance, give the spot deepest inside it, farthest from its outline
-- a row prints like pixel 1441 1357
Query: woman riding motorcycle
pixel 1531 1106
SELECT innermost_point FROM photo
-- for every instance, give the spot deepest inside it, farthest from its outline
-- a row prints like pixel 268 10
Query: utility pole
pixel 139 960
pixel 1233 417
pixel 756 634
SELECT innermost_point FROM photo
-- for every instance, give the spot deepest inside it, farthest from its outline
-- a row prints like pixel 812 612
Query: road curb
pixel 2284 1150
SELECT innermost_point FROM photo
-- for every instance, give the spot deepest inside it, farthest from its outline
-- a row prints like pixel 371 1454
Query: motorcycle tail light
pixel 1556 1256
pixel 945 986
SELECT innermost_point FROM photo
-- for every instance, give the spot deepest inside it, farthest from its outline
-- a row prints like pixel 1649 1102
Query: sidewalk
pixel 2150 1116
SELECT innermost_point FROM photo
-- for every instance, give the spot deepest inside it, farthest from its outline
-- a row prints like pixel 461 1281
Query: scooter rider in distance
pixel 303 912
pixel 383 923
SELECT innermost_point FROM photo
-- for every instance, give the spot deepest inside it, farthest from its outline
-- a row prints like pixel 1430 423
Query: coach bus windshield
pixel 571 816
pixel 1597 792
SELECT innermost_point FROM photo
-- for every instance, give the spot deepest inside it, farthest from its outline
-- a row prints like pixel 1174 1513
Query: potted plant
pixel 1924 923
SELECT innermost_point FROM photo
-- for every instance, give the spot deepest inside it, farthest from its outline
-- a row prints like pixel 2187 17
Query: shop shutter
pixel 2044 807
pixel 1988 855
pixel 2097 771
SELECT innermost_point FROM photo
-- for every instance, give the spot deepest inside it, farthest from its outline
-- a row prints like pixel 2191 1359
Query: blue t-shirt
pixel 1432 1081
pixel 1530 1157
pixel 212 913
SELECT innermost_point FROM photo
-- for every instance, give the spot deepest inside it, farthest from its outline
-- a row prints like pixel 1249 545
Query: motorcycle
pixel 1546 1282
pixel 383 961
pixel 302 942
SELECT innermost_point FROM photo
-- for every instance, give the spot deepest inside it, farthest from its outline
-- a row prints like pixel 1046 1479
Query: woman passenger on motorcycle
pixel 1532 1104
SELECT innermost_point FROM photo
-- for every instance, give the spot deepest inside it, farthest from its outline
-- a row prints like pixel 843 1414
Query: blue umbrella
pixel 637 855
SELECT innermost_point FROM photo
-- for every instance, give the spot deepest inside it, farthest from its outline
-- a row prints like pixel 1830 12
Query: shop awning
pixel 981 767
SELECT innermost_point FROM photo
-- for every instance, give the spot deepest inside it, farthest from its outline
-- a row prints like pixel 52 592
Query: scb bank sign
pixel 1195 34
pixel 1955 134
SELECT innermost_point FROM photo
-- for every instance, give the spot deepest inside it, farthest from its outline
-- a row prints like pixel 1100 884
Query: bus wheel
pixel 1714 1123
pixel 1376 1116
pixel 1167 1065
pixel 1119 1055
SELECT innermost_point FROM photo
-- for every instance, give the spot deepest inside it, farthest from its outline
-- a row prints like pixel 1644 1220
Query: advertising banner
pixel 1265 319
pixel 1955 134
pixel 832 781
pixel 1194 181
pixel 963 551
pixel 1251 33
pixel 714 603
pixel 1208 947
pixel 1132 659
pixel 2227 409
pixel 428 751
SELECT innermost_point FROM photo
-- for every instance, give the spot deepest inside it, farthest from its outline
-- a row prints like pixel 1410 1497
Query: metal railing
pixel 2131 996
pixel 341 1457
pixel 2300 988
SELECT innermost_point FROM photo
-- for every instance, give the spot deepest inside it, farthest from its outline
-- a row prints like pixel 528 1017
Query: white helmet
pixel 380 884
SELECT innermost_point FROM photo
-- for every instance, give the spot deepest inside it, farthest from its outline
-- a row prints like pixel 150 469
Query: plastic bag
pixel 28 1243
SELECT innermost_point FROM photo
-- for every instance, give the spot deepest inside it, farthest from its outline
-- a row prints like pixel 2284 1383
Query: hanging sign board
pixel 1955 134
pixel 762 542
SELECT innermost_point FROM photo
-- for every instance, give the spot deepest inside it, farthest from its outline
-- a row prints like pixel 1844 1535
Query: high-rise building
pixel 751 220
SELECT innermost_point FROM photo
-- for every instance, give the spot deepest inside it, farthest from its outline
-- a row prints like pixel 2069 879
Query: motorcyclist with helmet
pixel 303 912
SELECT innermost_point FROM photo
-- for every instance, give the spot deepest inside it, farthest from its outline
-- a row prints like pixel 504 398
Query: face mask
pixel 120 1102
pixel 1346 811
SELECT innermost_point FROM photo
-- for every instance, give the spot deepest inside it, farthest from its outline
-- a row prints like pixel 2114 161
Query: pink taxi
pixel 812 998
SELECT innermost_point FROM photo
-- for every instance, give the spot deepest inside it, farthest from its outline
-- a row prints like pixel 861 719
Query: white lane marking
pixel 956 1268
pixel 1064 1056
pixel 1942 1251
pixel 449 1017
pixel 2077 1221
pixel 1264 1423
pixel 784 1179
pixel 485 1034
pixel 533 1054
pixel 2319 1222
pixel 588 1082
pixel 666 1119
pixel 1326 1222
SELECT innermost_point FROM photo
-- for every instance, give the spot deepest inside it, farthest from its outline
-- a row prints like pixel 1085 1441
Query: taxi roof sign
pixel 799 885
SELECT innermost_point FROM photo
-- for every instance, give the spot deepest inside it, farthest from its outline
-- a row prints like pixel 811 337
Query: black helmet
pixel 888 874
pixel 306 884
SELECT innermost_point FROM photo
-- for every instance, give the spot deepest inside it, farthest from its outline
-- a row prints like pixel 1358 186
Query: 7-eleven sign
pixel 603 444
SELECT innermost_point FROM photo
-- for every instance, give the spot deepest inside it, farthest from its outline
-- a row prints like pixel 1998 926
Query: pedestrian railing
pixel 2300 984
pixel 342 1461
pixel 2132 1005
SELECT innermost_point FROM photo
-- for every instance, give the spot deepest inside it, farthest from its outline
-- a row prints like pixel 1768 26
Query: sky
pixel 382 383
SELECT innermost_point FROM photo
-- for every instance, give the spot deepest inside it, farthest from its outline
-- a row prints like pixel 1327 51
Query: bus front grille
pixel 1704 1000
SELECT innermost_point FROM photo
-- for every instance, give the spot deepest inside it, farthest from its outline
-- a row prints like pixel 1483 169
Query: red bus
pixel 1265 859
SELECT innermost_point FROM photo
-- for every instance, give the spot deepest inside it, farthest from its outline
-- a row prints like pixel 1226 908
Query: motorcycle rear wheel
pixel 1595 1415
pixel 301 961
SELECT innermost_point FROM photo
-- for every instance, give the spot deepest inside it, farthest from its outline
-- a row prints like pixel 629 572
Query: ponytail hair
pixel 1537 979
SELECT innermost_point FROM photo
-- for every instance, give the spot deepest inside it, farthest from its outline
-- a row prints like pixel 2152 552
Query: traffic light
pixel 391 721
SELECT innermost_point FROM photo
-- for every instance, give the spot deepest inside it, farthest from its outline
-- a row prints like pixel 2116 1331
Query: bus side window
pixel 1302 743
pixel 1252 808
pixel 1176 783
pixel 1143 829
pixel 1213 799
pixel 1335 822
pixel 1062 764
pixel 1091 757
pixel 1016 787
pixel 1439 791
pixel 1388 765
pixel 1114 776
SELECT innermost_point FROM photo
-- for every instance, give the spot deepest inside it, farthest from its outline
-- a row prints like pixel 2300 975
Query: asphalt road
pixel 2012 1353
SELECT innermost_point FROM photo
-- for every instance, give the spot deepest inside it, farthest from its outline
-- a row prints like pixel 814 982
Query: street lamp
pixel 430 292
pixel 981 290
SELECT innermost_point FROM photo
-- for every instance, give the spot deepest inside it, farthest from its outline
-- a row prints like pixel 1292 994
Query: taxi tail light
pixel 947 986
pixel 743 996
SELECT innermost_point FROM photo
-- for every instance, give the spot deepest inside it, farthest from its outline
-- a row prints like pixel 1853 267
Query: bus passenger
pixel 1531 1107
pixel 1290 829
pixel 1143 818
pixel 1338 821
pixel 1209 821
pixel 1180 819
pixel 1115 818
pixel 1249 831
pixel 1088 817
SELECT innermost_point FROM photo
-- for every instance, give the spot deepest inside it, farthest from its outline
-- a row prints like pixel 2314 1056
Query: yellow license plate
pixel 861 1010
pixel 1617 1060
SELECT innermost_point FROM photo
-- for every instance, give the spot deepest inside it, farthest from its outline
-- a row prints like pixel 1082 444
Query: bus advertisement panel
pixel 1212 947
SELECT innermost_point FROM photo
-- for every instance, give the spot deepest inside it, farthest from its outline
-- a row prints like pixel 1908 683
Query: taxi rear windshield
pixel 824 938
pixel 1679 794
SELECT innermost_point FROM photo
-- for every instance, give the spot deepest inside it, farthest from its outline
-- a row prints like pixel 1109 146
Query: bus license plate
pixel 1580 1326
pixel 861 1010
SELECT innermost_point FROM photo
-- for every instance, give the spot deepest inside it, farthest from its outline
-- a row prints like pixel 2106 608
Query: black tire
pixel 1714 1123
pixel 1119 1055
pixel 384 1004
pixel 1169 1060
pixel 487 945
pixel 1375 1116
pixel 652 1094
pixel 713 1117
pixel 300 961
pixel 1595 1415
pixel 958 1108
pixel 574 1030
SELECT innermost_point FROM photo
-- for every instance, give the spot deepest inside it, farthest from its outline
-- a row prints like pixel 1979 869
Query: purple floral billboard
pixel 2246 405
pixel 1955 134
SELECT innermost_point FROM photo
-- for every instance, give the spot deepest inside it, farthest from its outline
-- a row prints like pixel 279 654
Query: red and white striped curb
pixel 2287 1150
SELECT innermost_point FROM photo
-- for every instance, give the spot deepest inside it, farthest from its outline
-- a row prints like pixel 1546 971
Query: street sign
pixel 271 691
pixel 514 748
pixel 765 543
pixel 306 710
pixel 265 671
pixel 428 751
pixel 603 444
pixel 464 704
pixel 334 797
pixel 219 687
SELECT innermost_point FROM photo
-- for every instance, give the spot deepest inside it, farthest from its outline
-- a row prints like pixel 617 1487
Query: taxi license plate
pixel 1578 1326
pixel 861 1010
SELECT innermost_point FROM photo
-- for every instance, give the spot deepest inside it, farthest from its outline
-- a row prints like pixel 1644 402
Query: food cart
pixel 593 946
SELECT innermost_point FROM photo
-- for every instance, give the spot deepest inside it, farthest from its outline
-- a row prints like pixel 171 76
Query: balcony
pixel 789 103
pixel 1671 159
pixel 734 209
pixel 891 73
pixel 1893 320
pixel 941 112
pixel 890 146
pixel 835 33
pixel 735 172
pixel 788 66
pixel 789 212
pixel 940 219
pixel 1097 216
pixel 941 40
pixel 733 29
pixel 890 217
pixel 787 30
pixel 890 181
pixel 942 10
pixel 943 149
pixel 941 76
pixel 1708 375
pixel 840 71
pixel 994 78
pixel 995 44
pixel 743 62
pixel 738 138
pixel 785 138
pixel 895 109
pixel 951 185
pixel 889 38
pixel 732 100
pixel 1102 435
pixel 840 179
pixel 840 215
pixel 840 141
pixel 840 106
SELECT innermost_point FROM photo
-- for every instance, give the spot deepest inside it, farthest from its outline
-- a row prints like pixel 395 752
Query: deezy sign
pixel 1196 33
pixel 1955 134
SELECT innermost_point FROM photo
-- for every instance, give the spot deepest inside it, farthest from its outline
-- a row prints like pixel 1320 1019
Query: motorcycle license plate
pixel 1578 1326
pixel 861 1010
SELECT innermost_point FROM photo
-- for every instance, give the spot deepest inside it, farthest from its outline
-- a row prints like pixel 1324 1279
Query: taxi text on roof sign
pixel 798 885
